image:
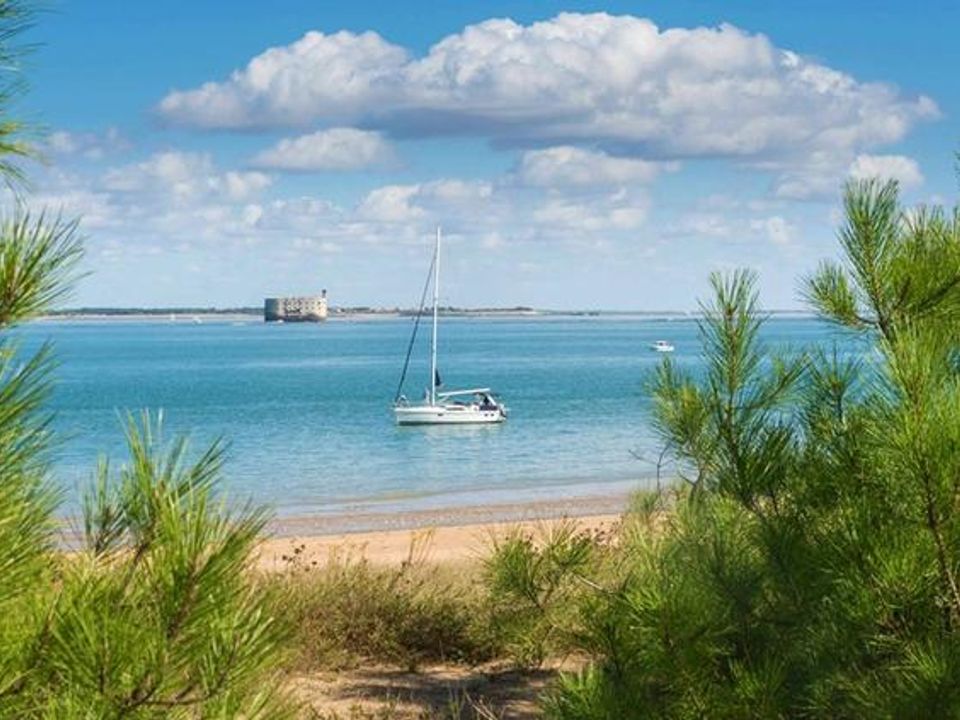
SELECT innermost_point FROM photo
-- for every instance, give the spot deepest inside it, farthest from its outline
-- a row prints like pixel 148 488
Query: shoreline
pixel 445 544
pixel 185 318
pixel 438 536
pixel 316 525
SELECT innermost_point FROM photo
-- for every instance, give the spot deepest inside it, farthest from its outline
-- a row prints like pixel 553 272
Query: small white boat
pixel 662 346
pixel 454 407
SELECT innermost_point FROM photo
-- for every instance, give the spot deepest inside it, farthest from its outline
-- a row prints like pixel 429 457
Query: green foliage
pixel 154 614
pixel 36 260
pixel 534 581
pixel 38 257
pixel 810 569
pixel 16 16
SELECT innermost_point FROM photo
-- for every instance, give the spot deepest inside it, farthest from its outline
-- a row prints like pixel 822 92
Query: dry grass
pixel 418 640
pixel 349 611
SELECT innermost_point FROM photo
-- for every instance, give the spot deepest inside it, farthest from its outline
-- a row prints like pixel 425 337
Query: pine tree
pixel 807 565
pixel 155 614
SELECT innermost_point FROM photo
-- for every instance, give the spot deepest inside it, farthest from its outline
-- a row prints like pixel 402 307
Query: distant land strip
pixel 363 310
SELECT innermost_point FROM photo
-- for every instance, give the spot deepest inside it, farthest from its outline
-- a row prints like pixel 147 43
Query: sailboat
pixel 451 407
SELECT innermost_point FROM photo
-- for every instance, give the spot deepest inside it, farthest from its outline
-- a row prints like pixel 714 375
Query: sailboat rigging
pixel 479 405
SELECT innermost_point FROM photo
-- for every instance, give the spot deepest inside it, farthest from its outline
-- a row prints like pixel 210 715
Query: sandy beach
pixel 435 537
pixel 365 520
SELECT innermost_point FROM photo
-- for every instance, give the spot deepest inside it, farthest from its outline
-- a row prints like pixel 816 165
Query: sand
pixel 440 544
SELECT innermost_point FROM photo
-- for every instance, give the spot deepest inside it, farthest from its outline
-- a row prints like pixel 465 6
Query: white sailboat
pixel 453 407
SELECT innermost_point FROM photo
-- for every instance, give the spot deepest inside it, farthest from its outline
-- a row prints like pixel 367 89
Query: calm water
pixel 306 407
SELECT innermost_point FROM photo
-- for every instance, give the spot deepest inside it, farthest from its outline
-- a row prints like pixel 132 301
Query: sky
pixel 578 155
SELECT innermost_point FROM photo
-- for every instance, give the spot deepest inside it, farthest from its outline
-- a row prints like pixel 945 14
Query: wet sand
pixel 365 521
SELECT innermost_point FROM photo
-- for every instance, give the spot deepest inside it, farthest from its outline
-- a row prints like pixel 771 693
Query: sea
pixel 306 408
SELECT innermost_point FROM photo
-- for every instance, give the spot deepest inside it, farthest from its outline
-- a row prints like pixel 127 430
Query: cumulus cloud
pixel 95 209
pixel 821 174
pixel 90 145
pixel 335 76
pixel 618 211
pixel 241 185
pixel 568 165
pixel 333 149
pixel 170 211
pixel 740 224
pixel 393 203
pixel 406 203
pixel 893 167
pixel 616 82
pixel 186 177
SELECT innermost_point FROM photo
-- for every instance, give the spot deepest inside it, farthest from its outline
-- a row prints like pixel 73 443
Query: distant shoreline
pixel 195 315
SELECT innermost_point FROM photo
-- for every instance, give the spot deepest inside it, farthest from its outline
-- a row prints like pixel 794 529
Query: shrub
pixel 348 609
pixel 535 581
pixel 156 615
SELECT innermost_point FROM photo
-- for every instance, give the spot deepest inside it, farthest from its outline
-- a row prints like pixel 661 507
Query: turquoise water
pixel 307 407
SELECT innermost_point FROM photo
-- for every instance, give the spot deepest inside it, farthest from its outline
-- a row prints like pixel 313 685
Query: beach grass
pixel 347 610
pixel 511 600
pixel 375 637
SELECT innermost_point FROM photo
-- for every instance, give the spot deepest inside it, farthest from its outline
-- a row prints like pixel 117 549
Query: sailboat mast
pixel 436 299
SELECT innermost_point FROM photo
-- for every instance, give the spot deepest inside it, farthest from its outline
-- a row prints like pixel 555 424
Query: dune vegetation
pixel 807 563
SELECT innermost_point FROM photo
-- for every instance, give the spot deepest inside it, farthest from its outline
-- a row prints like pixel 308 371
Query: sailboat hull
pixel 447 415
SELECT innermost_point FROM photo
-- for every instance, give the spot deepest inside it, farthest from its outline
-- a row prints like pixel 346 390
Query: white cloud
pixel 334 149
pixel 188 177
pixel 94 209
pixel 821 174
pixel 492 241
pixel 338 73
pixel 617 82
pixel 393 203
pixel 733 227
pixel 301 215
pixel 452 192
pixel 406 203
pixel 241 185
pixel 165 169
pixel 568 165
pixel 90 145
pixel 618 211
pixel 702 224
pixel 776 229
pixel 894 167
pixel 251 215
pixel 325 247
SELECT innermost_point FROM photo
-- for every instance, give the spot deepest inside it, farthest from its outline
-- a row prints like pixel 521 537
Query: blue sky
pixel 578 155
